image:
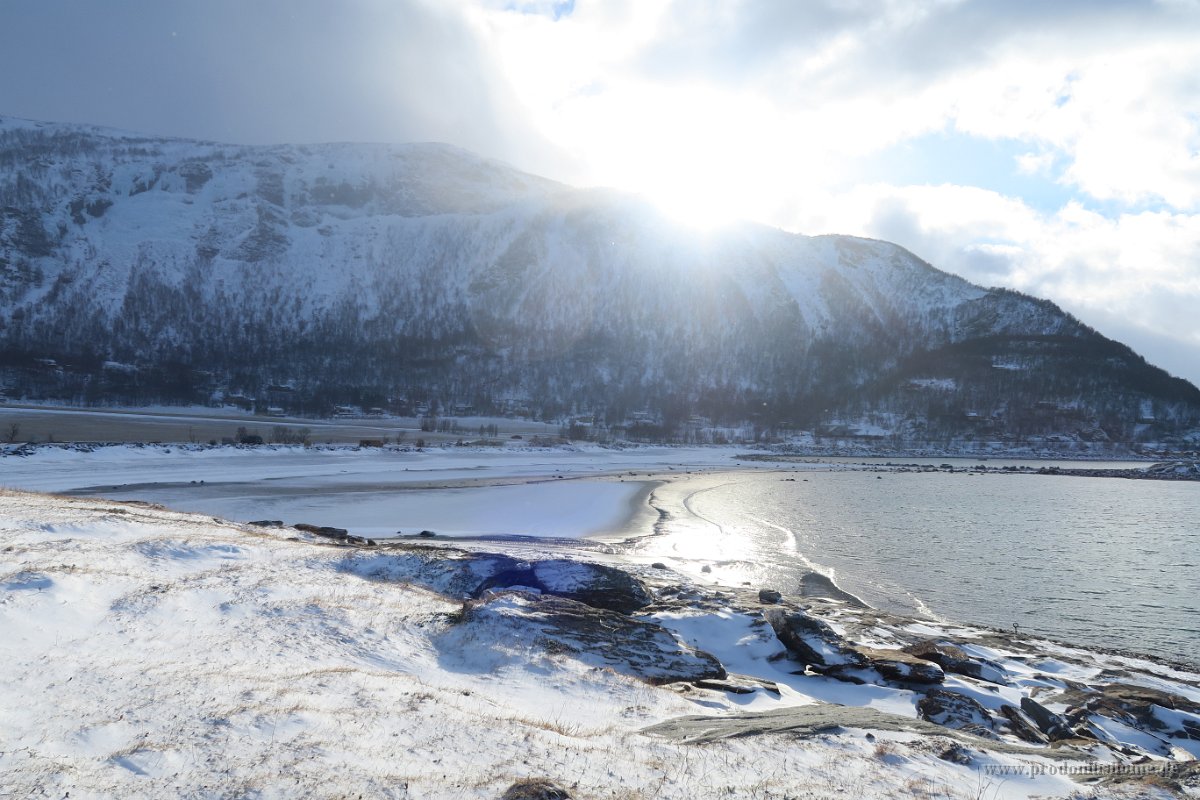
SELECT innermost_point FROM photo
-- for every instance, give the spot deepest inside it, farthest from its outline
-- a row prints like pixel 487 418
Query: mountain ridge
pixel 423 276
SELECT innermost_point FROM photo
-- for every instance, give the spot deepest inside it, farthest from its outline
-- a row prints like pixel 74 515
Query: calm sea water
pixel 1095 561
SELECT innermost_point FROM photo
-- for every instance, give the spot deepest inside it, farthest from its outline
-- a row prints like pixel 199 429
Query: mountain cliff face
pixel 136 269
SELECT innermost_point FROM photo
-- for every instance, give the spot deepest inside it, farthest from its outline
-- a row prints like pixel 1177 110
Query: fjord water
pixel 1095 561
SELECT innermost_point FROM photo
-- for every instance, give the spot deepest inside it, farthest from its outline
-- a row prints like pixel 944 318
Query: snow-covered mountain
pixel 136 268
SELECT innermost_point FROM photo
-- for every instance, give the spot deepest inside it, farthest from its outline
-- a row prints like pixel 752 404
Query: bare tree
pixel 14 430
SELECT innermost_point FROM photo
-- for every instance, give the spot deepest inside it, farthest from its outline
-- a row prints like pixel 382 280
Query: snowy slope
pixel 425 271
pixel 150 653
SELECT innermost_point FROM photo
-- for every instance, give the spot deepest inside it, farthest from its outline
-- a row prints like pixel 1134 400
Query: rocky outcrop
pixel 820 718
pixel 812 642
pixel 952 658
pixel 581 610
pixel 535 789
pixel 1165 713
pixel 322 530
pixel 596 585
pixel 460 573
pixel 592 635
pixel 955 710
pixel 1166 471
pixel 738 684
pixel 1054 726
pixel 896 665
pixel 815 644
pixel 1021 726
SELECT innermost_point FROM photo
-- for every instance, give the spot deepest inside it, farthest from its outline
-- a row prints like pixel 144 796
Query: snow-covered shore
pixel 461 491
pixel 155 653
pixel 378 492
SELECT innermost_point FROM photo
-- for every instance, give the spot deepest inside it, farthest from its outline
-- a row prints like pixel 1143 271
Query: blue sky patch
pixel 964 160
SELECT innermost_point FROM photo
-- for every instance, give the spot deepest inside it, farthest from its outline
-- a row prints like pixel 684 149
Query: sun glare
pixel 705 156
pixel 703 210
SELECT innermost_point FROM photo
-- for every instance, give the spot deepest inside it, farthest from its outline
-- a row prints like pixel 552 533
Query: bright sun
pixel 702 208
pixel 703 157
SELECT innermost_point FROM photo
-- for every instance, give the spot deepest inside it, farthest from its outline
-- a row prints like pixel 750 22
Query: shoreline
pixel 639 521
pixel 336 664
pixel 819 581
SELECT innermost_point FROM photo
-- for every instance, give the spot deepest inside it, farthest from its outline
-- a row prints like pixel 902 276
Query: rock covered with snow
pixel 812 642
pixel 477 573
pixel 897 665
pixel 605 639
pixel 954 710
pixel 952 658
pixel 535 789
pixel 596 585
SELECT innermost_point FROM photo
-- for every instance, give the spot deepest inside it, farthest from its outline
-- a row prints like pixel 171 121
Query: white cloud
pixel 769 109
pixel 1106 92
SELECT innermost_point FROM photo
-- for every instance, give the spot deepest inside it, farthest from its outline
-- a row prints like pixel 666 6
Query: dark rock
pixel 956 754
pixel 535 789
pixel 1188 730
pixel 896 665
pixel 592 635
pixel 658 565
pixel 1139 706
pixel 812 642
pixel 952 658
pixel 817 719
pixel 1053 725
pixel 814 584
pixel 706 568
pixel 1021 726
pixel 330 533
pixel 427 534
pixel 955 710
pixel 268 523
pixel 767 596
pixel 726 686
pixel 597 585
pixel 1083 732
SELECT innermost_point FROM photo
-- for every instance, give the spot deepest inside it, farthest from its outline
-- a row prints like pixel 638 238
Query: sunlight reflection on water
pixel 1096 561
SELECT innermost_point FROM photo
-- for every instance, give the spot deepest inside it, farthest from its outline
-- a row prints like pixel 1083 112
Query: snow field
pixel 152 653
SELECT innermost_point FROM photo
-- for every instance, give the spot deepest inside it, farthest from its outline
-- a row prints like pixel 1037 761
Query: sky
pixel 1050 147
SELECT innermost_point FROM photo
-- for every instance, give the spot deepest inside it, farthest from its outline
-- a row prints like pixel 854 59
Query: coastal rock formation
pixel 812 642
pixel 1054 726
pixel 952 658
pixel 372 658
pixel 815 644
pixel 896 665
pixel 592 635
pixel 955 710
pixel 473 574
pixel 819 718
pixel 594 584
pixel 1144 707
pixel 1021 726
pixel 611 618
